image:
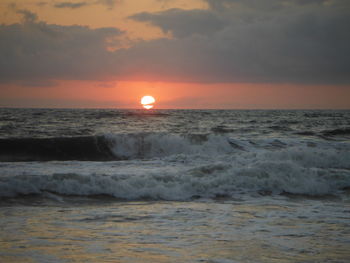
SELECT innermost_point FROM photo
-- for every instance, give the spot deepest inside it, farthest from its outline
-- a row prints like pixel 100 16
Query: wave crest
pixel 292 170
pixel 110 147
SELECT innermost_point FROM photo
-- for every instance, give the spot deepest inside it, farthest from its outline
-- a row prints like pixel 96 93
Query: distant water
pixel 174 185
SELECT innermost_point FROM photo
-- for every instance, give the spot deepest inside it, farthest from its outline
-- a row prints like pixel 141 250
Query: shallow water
pixel 252 230
pixel 174 186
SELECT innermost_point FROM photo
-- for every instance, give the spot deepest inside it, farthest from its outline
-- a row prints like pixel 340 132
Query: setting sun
pixel 147 102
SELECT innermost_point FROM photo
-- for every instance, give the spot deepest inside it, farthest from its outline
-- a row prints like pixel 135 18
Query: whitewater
pixel 142 186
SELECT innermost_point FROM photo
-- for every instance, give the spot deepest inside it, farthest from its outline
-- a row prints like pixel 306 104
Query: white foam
pixel 150 145
pixel 222 170
pixel 175 167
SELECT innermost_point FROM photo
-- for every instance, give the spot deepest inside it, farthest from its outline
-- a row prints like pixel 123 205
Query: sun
pixel 147 102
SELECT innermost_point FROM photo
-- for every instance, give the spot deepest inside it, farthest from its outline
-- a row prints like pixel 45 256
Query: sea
pixel 216 186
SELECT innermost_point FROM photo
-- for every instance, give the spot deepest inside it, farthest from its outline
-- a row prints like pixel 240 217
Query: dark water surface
pixel 174 185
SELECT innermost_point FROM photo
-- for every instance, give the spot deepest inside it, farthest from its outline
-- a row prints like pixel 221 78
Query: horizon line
pixel 154 109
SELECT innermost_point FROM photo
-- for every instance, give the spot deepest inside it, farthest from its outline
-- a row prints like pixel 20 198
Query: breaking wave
pixel 88 148
pixel 299 169
pixel 110 147
pixel 128 146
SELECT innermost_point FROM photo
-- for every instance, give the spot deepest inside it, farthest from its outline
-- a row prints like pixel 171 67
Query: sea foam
pixel 172 167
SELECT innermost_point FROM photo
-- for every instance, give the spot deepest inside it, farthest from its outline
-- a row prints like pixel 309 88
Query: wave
pixel 222 129
pixel 130 146
pixel 207 181
pixel 94 148
pixel 336 132
pixel 296 170
pixel 110 147
pixel 306 133
pixel 151 145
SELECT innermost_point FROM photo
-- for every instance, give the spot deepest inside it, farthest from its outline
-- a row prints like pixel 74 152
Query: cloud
pixel 233 41
pixel 36 50
pixel 28 17
pixel 110 4
pixel 252 41
pixel 182 23
pixel 267 5
pixel 70 5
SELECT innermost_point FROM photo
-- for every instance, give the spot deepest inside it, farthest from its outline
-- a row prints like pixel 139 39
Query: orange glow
pixel 147 102
pixel 122 94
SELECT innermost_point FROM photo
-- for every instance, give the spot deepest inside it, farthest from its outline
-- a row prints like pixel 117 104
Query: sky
pixel 202 54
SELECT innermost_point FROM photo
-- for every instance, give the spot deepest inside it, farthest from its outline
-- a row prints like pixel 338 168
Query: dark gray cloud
pixel 70 5
pixel 27 16
pixel 269 5
pixel 233 41
pixel 183 23
pixel 36 50
pixel 256 41
pixel 110 4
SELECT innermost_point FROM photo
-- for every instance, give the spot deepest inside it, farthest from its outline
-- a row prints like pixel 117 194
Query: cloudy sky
pixel 186 53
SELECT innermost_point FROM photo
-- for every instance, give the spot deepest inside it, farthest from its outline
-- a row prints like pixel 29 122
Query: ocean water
pixel 174 185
